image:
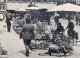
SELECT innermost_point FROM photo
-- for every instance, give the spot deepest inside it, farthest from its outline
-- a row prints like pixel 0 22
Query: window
pixel 1 6
pixel 16 0
pixel 1 0
pixel 23 0
pixel 28 0
pixel 33 0
pixel 38 0
pixel 44 0
pixel 52 0
pixel 9 0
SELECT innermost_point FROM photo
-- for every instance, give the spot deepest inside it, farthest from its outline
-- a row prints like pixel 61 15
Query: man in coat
pixel 8 22
pixel 70 28
pixel 27 35
pixel 56 19
pixel 69 17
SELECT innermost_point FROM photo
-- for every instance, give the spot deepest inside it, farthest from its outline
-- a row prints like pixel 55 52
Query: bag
pixel 18 30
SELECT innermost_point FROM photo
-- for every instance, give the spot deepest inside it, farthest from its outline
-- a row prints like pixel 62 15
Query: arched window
pixel 38 0
pixel 52 0
pixel 44 0
pixel 10 1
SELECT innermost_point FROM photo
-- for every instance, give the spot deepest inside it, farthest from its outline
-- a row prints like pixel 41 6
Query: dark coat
pixel 8 21
pixel 69 17
pixel 56 19
pixel 70 26
pixel 78 18
pixel 28 32
pixel 60 28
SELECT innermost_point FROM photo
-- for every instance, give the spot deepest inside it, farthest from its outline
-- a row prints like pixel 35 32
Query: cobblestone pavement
pixel 15 47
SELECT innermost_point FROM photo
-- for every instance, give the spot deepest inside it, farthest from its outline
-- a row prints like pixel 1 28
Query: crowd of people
pixel 27 32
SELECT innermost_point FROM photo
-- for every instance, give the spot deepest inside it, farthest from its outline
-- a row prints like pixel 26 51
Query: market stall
pixel 67 8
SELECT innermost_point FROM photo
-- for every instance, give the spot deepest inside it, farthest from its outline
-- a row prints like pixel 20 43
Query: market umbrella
pixel 36 8
pixel 66 7
pixel 21 9
pixel 32 8
pixel 20 12
pixel 45 8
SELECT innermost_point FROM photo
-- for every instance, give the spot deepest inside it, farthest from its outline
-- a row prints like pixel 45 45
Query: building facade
pixel 2 4
pixel 3 7
pixel 46 1
pixel 24 1
pixel 68 1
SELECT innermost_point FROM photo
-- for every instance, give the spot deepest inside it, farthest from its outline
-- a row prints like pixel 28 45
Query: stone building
pixel 46 1
pixel 3 7
pixel 68 1
pixel 41 1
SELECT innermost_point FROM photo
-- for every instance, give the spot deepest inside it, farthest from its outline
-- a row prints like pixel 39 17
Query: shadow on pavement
pixel 23 52
pixel 1 31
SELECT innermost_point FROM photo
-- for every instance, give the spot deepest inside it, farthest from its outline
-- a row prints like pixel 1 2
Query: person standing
pixel 27 35
pixel 77 19
pixel 70 29
pixel 56 19
pixel 69 17
pixel 27 16
pixel 8 22
pixel 60 28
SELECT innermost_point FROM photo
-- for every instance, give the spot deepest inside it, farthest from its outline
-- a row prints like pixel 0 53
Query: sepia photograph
pixel 39 28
